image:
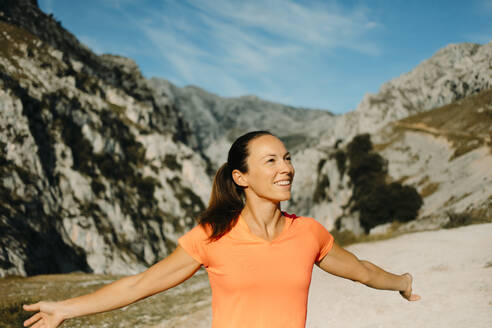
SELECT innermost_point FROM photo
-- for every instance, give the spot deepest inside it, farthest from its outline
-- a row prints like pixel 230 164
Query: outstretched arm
pixel 343 263
pixel 163 275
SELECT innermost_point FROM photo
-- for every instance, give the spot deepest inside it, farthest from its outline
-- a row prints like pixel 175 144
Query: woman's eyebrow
pixel 286 154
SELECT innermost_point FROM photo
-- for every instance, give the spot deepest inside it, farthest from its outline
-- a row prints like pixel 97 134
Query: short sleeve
pixel 324 239
pixel 194 242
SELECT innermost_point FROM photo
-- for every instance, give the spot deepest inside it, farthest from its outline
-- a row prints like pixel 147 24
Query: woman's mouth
pixel 283 183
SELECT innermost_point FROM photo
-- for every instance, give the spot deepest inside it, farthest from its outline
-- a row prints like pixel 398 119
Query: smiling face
pixel 270 171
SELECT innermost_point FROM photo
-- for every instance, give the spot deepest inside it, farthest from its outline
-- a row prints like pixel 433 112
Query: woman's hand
pixel 47 317
pixel 407 292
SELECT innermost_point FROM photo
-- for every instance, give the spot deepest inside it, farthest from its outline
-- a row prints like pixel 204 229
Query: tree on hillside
pixel 377 201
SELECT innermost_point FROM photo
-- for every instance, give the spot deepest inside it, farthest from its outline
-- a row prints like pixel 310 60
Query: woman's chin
pixel 286 197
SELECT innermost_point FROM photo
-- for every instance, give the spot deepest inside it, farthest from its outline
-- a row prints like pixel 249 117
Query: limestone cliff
pixel 96 174
pixel 101 170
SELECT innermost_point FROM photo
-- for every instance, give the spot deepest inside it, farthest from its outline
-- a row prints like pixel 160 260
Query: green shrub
pixel 344 238
pixel 172 163
pixel 320 191
pixel 97 187
pixel 463 219
pixel 387 203
pixel 377 201
pixel 341 159
pixel 146 187
pixel 360 144
pixel 81 148
pixel 12 313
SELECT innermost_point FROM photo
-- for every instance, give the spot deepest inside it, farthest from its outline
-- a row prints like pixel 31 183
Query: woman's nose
pixel 286 166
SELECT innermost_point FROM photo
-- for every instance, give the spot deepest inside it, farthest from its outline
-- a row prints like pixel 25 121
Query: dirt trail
pixel 452 270
pixel 421 127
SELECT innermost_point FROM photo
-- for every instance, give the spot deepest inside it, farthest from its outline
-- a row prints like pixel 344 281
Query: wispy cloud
pixel 233 43
pixel 287 21
pixel 117 4
pixel 485 6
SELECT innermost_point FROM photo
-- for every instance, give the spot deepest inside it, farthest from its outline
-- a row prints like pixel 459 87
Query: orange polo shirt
pixel 257 283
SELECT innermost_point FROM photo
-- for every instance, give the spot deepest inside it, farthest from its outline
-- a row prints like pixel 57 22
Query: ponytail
pixel 226 202
pixel 227 198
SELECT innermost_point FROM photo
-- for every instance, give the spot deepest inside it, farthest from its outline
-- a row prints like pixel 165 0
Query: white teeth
pixel 283 183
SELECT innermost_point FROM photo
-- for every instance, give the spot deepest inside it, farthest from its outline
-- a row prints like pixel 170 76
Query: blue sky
pixel 314 54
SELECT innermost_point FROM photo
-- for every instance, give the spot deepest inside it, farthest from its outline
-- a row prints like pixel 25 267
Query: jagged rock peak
pixel 454 52
pixel 126 64
pixel 454 72
pixel 27 15
pixel 217 121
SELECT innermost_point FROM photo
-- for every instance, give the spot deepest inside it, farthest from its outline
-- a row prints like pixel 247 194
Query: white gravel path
pixel 452 271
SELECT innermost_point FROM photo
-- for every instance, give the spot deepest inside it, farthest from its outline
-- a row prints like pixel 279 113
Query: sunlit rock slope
pixel 96 174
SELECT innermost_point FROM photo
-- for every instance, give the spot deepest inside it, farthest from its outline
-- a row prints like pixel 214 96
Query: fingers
pixel 32 307
pixel 39 324
pixel 407 293
pixel 32 319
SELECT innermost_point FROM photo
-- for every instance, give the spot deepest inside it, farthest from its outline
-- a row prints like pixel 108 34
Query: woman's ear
pixel 239 178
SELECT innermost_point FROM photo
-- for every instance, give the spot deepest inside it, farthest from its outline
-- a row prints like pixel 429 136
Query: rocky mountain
pixel 445 153
pixel 451 76
pixel 101 170
pixel 96 174
pixel 451 89
pixel 217 122
pixel 453 73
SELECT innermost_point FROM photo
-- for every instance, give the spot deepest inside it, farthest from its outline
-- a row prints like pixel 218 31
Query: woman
pixel 258 258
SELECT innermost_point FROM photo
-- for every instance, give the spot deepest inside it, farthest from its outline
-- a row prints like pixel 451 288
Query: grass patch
pixel 429 189
pixel 466 123
pixel 423 180
pixel 465 219
pixel 403 179
pixel 186 298
pixel 120 110
pixel 12 314
pixel 453 199
pixel 346 237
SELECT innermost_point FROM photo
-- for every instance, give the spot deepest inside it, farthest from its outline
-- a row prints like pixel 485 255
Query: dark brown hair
pixel 227 198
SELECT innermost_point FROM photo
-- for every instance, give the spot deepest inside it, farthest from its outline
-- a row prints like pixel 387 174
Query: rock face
pixel 96 173
pixel 453 73
pixel 217 122
pixel 101 170
pixel 445 153
pixel 445 81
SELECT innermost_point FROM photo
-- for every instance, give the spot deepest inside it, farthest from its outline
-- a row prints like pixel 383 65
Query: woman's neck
pixel 264 218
